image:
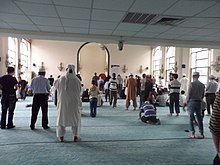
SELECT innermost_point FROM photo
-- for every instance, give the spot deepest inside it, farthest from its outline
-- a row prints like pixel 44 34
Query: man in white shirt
pixel 211 89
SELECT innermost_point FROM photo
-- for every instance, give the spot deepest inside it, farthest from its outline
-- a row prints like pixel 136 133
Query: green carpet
pixel 115 136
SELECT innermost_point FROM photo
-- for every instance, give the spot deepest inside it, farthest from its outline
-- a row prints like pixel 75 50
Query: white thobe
pixel 68 104
pixel 184 84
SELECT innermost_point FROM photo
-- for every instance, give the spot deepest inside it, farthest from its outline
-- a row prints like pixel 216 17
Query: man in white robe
pixel 68 104
pixel 184 84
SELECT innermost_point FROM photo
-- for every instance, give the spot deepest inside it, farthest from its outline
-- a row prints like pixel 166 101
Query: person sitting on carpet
pixel 149 114
pixel 85 96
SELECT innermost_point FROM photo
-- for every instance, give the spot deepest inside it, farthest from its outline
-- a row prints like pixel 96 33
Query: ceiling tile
pixel 75 23
pixel 206 38
pixel 168 36
pixel 121 5
pixel 9 7
pixel 51 28
pixel 4 25
pixel 179 30
pixel 15 18
pixel 34 1
pixel 156 28
pixel 131 27
pixel 103 25
pixel 74 13
pixel 147 35
pixel 106 15
pixel 211 12
pixel 24 27
pixel 188 8
pixel 204 32
pixel 188 37
pixel 100 31
pixel 45 21
pixel 76 30
pixel 217 34
pixel 124 33
pixel 37 9
pixel 197 22
pixel 214 25
pixel 74 3
pixel 151 6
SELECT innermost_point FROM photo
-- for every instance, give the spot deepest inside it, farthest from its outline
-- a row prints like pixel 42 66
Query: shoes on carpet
pixel 76 139
pixel 3 127
pixel 46 127
pixel 32 127
pixel 201 136
pixel 61 139
pixel 12 126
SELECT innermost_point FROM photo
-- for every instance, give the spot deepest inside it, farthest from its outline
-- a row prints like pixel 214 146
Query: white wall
pixel 54 52
pixel 132 56
pixel 3 53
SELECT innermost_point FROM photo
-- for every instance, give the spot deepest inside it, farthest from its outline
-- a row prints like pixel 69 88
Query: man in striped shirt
pixel 149 114
pixel 113 90
pixel 174 95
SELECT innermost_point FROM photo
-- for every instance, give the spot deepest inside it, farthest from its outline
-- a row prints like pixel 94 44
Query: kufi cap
pixel 71 67
pixel 195 73
pixel 42 69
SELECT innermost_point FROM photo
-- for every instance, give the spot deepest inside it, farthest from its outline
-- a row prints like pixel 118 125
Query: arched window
pixel 157 57
pixel 170 61
pixel 12 51
pixel 25 53
pixel 200 58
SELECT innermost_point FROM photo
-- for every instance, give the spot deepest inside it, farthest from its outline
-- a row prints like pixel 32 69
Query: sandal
pixel 61 139
pixel 191 136
pixel 202 136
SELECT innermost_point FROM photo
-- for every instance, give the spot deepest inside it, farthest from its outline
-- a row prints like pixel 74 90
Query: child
pixel 149 114
pixel 93 93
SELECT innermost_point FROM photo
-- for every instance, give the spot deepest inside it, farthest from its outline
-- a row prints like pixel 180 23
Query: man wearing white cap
pixel 210 91
pixel 40 87
pixel 194 100
pixel 184 83
pixel 68 104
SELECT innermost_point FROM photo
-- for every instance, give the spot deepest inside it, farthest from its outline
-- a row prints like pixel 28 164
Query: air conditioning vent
pixel 169 21
pixel 138 18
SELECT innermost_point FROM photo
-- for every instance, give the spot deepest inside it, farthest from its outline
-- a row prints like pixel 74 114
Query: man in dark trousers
pixel 40 88
pixel 51 80
pixel 8 84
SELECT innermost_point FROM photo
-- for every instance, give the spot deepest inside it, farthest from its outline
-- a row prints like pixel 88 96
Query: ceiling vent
pixel 169 21
pixel 138 18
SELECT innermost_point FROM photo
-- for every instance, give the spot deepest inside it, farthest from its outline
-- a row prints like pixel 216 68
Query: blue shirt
pixel 40 84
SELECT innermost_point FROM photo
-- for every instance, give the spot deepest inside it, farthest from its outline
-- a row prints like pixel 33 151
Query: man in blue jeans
pixel 93 93
pixel 194 100
pixel 9 86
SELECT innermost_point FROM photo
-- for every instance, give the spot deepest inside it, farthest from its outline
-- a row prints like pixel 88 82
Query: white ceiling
pixel 101 21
